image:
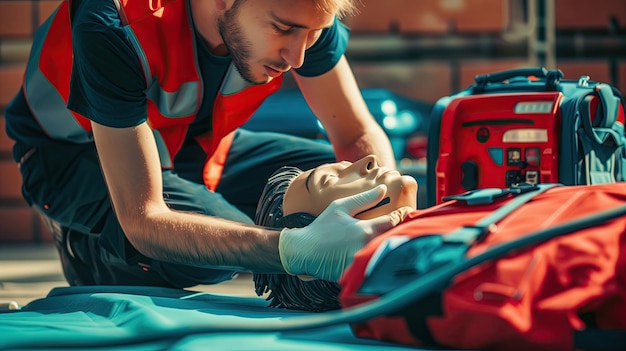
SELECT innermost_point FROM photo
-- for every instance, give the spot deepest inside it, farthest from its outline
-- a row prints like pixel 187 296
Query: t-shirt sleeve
pixel 107 83
pixel 326 52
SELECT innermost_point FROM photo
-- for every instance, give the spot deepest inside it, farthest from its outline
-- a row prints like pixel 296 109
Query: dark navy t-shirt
pixel 108 83
pixel 118 84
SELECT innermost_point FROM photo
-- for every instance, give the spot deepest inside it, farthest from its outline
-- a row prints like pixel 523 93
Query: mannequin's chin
pixel 375 211
pixel 406 197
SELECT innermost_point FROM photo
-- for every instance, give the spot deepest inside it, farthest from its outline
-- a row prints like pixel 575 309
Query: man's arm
pixel 130 163
pixel 336 100
pixel 131 167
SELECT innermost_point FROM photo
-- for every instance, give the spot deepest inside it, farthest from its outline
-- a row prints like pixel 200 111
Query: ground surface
pixel 29 272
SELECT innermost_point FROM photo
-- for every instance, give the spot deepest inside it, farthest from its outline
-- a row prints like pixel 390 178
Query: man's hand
pixel 327 246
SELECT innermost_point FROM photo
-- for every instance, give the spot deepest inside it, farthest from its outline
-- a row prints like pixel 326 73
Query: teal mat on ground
pixel 147 318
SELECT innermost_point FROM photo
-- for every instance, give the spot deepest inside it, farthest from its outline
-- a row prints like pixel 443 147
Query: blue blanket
pixel 148 318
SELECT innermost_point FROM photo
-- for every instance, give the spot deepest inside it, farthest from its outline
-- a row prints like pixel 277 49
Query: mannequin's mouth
pixel 382 202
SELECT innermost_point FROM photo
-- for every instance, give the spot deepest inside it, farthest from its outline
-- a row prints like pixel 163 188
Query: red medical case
pixel 525 126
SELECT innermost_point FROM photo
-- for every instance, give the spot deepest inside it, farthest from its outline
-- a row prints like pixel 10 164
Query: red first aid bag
pixel 526 268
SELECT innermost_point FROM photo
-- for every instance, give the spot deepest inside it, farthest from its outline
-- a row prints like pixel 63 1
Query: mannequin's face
pixel 313 190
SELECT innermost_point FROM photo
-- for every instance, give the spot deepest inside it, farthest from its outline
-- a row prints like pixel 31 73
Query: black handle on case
pixel 552 77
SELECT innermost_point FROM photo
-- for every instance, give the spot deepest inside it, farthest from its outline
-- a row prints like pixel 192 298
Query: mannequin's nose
pixel 366 164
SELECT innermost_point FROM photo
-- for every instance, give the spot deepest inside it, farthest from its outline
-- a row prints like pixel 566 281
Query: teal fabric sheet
pixel 147 318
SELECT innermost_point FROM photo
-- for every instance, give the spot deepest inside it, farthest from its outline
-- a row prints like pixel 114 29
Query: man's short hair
pixel 340 8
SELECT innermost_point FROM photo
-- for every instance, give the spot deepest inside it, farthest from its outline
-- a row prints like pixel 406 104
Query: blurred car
pixel 404 120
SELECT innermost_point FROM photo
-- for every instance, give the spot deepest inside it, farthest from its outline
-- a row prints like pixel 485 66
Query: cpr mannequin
pixel 293 198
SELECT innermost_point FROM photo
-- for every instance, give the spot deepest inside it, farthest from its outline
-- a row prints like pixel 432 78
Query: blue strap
pixel 469 234
pixel 489 195
pixel 479 197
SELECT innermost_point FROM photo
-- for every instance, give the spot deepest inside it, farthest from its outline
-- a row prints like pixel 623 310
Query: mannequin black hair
pixel 286 290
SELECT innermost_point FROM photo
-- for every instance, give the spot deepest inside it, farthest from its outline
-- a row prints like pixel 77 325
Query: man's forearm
pixel 374 142
pixel 199 240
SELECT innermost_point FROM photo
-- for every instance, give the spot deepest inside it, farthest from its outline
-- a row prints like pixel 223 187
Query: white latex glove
pixel 324 248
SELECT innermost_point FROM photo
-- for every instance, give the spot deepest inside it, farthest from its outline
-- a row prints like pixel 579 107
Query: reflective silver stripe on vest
pixel 179 103
pixel 46 103
pixel 233 82
pixel 164 154
pixel 49 108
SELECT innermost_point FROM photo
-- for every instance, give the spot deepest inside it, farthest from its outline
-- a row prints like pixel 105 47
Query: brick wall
pixel 18 20
pixel 422 49
pixel 428 49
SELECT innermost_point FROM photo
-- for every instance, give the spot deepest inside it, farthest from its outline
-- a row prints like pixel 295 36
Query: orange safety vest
pixel 173 85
